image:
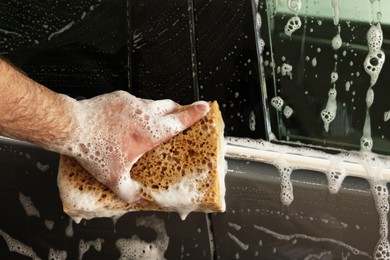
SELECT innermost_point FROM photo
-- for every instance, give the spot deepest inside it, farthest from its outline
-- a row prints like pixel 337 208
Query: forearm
pixel 31 112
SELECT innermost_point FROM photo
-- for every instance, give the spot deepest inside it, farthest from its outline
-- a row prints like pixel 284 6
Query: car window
pixel 324 72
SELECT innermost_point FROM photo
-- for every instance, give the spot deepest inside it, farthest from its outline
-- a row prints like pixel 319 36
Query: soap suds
pixel 84 246
pixel 181 197
pixel 329 113
pixel 136 249
pixel 16 246
pixel 28 206
pixel 292 25
pixel 55 254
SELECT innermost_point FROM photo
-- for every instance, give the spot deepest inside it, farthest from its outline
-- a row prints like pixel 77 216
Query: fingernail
pixel 202 106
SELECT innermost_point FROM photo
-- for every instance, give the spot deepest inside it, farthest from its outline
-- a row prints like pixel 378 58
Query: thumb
pixel 193 113
pixel 178 121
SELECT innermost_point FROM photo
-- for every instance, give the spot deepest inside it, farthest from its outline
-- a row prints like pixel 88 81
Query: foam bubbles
pixel 28 206
pixel 380 193
pixel 182 197
pixel 294 5
pixel 135 248
pixel 69 229
pixel 84 246
pixel 376 57
pixel 386 116
pixel 55 254
pixel 288 111
pixel 286 188
pixel 329 113
pixel 375 38
pixel 336 11
pixel 252 121
pixel 16 246
pixel 366 143
pixel 258 20
pixel 293 24
pixel 337 42
pixel 347 85
pixel 277 102
pixel 314 62
pixel 261 45
pixel 373 65
pixel 370 97
pixel 334 76
pixel 287 70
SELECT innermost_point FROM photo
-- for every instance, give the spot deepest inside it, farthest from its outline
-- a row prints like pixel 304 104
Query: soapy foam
pixel 84 246
pixel 277 102
pixel 288 111
pixel 314 62
pixel 381 194
pixel 329 113
pixel 260 41
pixel 375 38
pixel 252 121
pixel 57 254
pixel 337 42
pixel 386 116
pixel 183 196
pixel 373 65
pixel 376 57
pixel 336 174
pixel 369 97
pixel 16 246
pixel 286 188
pixel 373 164
pixel 28 206
pixel 334 76
pixel 49 224
pixel 258 20
pixel 137 249
pixel 336 11
pixel 69 228
pixel 366 142
pixel 294 5
pixel 293 24
pixel 287 70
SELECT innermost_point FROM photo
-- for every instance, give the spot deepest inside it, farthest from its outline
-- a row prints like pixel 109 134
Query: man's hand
pixel 114 130
pixel 107 134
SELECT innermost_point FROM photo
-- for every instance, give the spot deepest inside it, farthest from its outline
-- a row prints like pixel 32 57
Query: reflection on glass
pixel 324 71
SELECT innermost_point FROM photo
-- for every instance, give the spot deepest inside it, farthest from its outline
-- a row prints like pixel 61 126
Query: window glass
pixel 324 71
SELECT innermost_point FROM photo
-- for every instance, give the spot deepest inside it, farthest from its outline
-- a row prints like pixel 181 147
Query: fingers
pixel 162 107
pixel 193 113
pixel 179 121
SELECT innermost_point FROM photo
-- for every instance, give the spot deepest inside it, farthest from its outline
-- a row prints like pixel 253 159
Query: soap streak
pixel 279 236
pixel 242 245
pixel 10 32
pixel 63 29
